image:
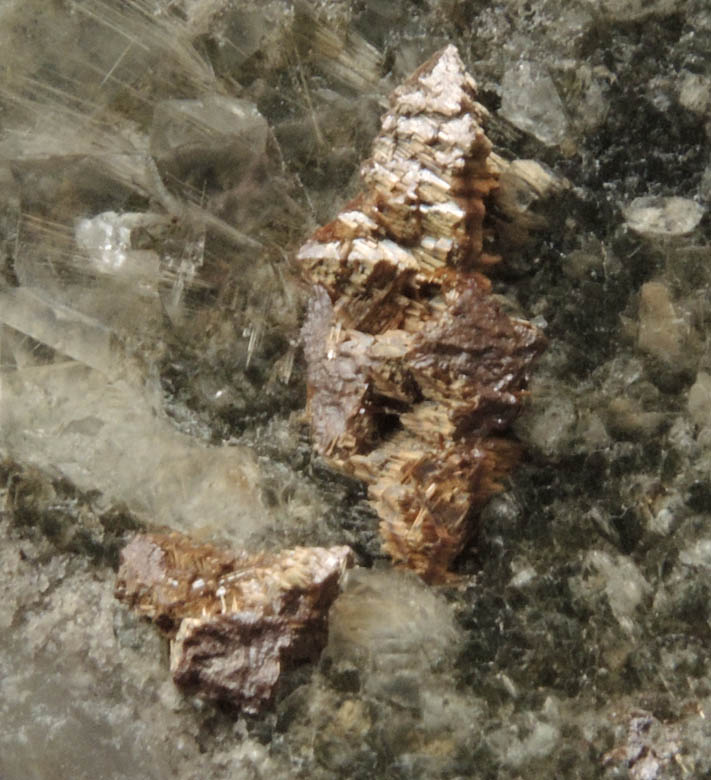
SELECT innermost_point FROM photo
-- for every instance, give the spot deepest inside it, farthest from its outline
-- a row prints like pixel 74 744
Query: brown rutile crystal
pixel 235 620
pixel 414 370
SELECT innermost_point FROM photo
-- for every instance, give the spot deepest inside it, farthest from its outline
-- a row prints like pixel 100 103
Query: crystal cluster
pixel 235 620
pixel 414 370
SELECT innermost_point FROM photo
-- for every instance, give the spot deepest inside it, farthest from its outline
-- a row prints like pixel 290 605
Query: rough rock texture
pixel 414 370
pixel 150 373
pixel 235 620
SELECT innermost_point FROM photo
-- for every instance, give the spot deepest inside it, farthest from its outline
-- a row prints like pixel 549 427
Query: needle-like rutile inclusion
pixel 414 370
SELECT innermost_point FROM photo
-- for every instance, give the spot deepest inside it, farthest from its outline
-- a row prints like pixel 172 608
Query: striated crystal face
pixel 414 370
pixel 235 620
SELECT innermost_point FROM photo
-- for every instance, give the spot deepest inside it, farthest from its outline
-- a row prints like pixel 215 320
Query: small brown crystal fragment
pixel 414 370
pixel 235 620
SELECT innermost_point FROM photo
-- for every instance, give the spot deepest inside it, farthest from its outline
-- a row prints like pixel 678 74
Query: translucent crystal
pixel 530 101
pixel 110 436
pixel 654 216
pixel 106 237
pixel 63 329
pixel 215 130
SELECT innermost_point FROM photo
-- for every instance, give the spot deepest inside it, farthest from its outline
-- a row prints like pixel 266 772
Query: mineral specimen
pixel 235 621
pixel 414 370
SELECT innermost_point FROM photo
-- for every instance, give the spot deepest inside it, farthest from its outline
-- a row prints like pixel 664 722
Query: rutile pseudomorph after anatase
pixel 236 621
pixel 414 371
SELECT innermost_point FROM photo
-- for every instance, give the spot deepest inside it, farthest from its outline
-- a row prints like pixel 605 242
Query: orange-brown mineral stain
pixel 415 372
